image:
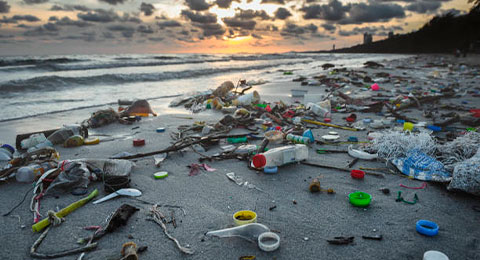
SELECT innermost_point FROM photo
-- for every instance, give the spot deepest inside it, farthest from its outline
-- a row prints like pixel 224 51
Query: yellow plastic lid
pixel 91 140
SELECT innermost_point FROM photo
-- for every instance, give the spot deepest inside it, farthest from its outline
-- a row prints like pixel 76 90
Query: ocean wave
pixel 50 83
pixel 49 101
pixel 23 62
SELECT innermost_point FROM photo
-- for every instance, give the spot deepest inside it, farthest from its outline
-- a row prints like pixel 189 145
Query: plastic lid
pixel 259 160
pixel 434 255
pixel 270 246
pixel 360 199
pixel 160 175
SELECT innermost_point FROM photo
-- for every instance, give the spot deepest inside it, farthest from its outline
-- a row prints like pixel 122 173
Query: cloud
pixel 423 7
pixel 199 17
pixel 361 13
pixel 34 2
pixel 66 21
pixel 212 29
pixel 197 5
pixel 225 3
pixel 127 31
pixel 113 2
pixel 145 29
pixel 98 16
pixel 333 11
pixel 282 13
pixel 329 27
pixel 4 7
pixel 156 39
pixel 353 13
pixel 374 30
pixel 70 8
pixel 239 23
pixel 48 29
pixel 293 30
pixel 108 35
pixel 168 23
pixel 85 36
pixel 250 14
pixel 16 18
pixel 147 9
pixel 273 2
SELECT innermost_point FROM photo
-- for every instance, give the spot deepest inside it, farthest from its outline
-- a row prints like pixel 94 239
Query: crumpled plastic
pixel 466 175
pixel 195 168
pixel 420 166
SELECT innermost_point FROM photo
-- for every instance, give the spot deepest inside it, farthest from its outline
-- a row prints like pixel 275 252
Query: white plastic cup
pixel 434 255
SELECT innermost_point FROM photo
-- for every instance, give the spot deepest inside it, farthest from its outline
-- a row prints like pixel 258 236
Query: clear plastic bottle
pixel 281 156
pixel 32 172
pixel 6 152
pixel 319 110
pixel 298 139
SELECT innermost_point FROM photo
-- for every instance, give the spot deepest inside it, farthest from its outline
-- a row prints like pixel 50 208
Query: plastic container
pixel 281 156
pixel 244 217
pixel 434 255
pixel 6 152
pixel 247 99
pixel 360 199
pixel 32 172
pixel 298 139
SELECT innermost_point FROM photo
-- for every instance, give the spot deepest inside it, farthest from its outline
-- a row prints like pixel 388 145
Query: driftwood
pixel 398 116
pixel 179 146
pixel 340 168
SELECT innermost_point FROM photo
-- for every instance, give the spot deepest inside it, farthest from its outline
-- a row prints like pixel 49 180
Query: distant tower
pixel 333 48
pixel 390 35
pixel 367 38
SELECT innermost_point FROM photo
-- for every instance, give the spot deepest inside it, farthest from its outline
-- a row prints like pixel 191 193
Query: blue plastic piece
pixel 427 228
pixel 270 169
pixel 308 133
pixel 400 121
pixel 160 129
pixel 367 120
pixel 9 147
pixel 352 139
pixel 434 128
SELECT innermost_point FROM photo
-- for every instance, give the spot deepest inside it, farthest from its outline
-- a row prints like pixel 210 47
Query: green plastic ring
pixel 360 199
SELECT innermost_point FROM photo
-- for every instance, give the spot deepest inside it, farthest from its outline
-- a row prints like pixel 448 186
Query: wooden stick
pixel 339 168
pixel 327 124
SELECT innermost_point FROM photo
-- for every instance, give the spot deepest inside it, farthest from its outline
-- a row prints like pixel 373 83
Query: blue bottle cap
pixel 160 129
pixel 9 147
pixel 352 139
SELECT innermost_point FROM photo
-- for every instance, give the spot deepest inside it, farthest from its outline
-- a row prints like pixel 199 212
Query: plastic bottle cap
pixel 160 175
pixel 270 246
pixel 138 142
pixel 259 160
pixel 244 217
pixel 360 199
pixel 160 129
pixel 434 255
pixel 327 120
pixel 9 148
pixel 357 174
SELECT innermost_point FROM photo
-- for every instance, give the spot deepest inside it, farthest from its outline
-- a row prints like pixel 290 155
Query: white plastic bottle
pixel 281 156
pixel 319 110
pixel 32 172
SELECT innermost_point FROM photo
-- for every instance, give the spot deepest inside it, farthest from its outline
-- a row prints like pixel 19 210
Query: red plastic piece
pixel 357 174
pixel 138 142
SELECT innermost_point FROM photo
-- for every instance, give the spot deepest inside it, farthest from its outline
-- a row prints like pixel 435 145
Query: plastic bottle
pixel 318 110
pixel 247 148
pixel 62 134
pixel 6 152
pixel 281 156
pixel 33 140
pixel 298 139
pixel 32 172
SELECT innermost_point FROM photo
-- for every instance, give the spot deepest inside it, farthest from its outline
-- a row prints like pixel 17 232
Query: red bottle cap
pixel 259 160
pixel 357 174
pixel 138 142
pixel 327 120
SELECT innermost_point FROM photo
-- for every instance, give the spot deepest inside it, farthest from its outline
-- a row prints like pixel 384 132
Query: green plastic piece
pixel 360 199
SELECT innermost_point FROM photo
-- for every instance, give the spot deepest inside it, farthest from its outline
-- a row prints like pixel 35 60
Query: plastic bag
pixel 420 166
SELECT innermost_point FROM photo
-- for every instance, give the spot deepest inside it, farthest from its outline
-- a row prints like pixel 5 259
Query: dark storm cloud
pixel 147 9
pixel 98 16
pixel 127 31
pixel 423 7
pixel 361 13
pixel 282 13
pixel 293 30
pixel 212 29
pixel 197 5
pixel 353 13
pixel 273 2
pixel 250 14
pixel 333 11
pixel 48 29
pixel 66 21
pixel 127 18
pixel 113 2
pixel 34 2
pixel 4 7
pixel 239 23
pixel 17 18
pixel 329 27
pixel 168 23
pixel 70 8
pixel 199 17
pixel 145 29
pixel 225 3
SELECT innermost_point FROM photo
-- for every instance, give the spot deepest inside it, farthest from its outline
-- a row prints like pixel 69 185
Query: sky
pixel 46 27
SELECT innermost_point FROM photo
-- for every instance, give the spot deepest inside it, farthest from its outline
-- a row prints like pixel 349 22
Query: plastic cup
pixel 243 217
pixel 434 255
pixel 360 199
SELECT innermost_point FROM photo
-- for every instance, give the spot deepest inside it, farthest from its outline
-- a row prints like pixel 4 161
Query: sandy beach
pixel 207 201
